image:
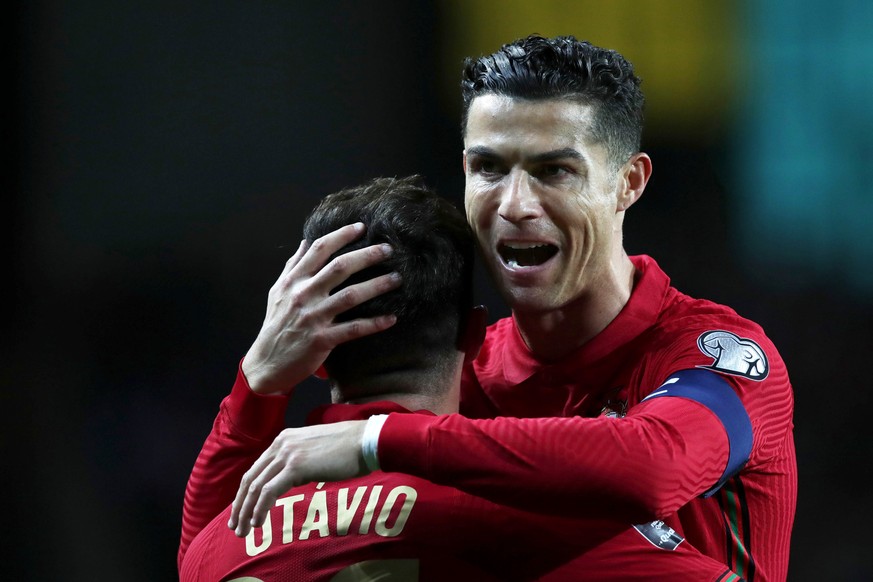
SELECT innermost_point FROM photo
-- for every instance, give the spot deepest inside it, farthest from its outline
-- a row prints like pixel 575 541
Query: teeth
pixel 525 246
pixel 517 255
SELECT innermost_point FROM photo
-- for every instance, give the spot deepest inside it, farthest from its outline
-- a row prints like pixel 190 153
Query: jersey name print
pixel 384 513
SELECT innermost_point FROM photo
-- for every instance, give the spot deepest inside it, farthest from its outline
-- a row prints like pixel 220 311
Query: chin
pixel 522 300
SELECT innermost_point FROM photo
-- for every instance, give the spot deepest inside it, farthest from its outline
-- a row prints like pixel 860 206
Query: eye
pixel 552 171
pixel 485 166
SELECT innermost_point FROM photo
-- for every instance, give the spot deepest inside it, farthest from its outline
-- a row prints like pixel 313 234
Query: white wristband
pixel 370 440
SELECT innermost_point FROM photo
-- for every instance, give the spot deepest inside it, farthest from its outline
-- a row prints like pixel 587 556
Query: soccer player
pixel 637 400
pixel 390 525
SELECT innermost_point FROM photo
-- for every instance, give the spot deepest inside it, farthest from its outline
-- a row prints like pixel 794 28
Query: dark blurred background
pixel 162 157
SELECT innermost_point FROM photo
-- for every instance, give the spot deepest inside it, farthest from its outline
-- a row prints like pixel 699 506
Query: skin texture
pixel 333 450
pixel 298 330
pixel 297 335
pixel 533 176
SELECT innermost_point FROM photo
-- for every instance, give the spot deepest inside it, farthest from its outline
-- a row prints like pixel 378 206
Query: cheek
pixel 584 227
pixel 582 233
pixel 478 215
pixel 577 215
pixel 593 213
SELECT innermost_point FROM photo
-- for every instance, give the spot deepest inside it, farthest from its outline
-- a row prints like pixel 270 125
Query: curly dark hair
pixel 433 251
pixel 563 67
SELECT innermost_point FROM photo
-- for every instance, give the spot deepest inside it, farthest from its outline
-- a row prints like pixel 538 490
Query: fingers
pixel 255 497
pixel 311 260
pixel 341 268
pixel 297 456
pixel 336 272
pixel 248 481
pixel 323 248
pixel 328 275
pixel 260 496
pixel 269 493
pixel 295 259
pixel 299 327
pixel 355 295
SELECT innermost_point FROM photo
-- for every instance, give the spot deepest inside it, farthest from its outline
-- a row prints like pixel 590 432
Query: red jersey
pixel 679 409
pixel 395 526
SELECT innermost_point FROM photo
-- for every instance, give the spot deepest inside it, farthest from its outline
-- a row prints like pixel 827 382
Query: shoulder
pixel 702 335
pixel 682 326
pixel 714 337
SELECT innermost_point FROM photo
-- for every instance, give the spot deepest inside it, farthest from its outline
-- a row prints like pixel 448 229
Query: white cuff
pixel 370 440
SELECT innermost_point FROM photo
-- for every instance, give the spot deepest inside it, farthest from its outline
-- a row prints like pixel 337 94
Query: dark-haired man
pixel 390 526
pixel 642 402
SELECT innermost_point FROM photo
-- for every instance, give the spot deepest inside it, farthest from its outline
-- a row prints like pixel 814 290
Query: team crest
pixel 734 355
pixel 616 404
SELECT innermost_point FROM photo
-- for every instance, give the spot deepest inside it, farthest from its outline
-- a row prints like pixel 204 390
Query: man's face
pixel 541 199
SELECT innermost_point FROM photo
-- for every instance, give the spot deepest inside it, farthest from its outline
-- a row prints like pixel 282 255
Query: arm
pixel 637 468
pixel 245 426
pixel 667 451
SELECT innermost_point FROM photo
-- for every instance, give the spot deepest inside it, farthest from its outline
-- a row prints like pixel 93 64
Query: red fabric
pixel 601 473
pixel 445 535
pixel 660 457
pixel 245 426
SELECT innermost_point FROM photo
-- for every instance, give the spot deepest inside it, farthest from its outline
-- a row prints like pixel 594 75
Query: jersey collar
pixel 639 314
pixel 329 413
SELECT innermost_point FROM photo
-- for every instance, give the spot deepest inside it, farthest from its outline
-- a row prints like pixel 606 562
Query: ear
pixel 473 334
pixel 635 176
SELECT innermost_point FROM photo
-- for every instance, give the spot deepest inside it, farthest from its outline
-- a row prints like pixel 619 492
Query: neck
pixel 409 401
pixel 553 334
pixel 437 391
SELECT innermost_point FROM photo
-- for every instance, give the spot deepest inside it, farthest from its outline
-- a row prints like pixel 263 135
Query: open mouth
pixel 526 254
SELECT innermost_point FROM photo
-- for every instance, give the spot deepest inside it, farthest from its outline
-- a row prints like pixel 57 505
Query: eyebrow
pixel 550 156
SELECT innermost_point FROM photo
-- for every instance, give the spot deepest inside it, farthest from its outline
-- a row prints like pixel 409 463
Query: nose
pixel 518 202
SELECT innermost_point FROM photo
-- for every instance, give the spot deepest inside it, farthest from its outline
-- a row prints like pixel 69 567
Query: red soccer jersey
pixel 594 448
pixel 389 524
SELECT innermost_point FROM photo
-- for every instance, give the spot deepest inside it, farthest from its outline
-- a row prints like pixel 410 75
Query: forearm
pixel 246 424
pixel 640 467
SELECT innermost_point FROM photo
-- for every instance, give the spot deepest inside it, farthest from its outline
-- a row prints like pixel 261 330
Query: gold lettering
pixel 287 504
pixel 375 492
pixel 252 547
pixel 410 496
pixel 345 512
pixel 316 517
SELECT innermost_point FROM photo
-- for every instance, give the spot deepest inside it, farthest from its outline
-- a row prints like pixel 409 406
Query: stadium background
pixel 162 155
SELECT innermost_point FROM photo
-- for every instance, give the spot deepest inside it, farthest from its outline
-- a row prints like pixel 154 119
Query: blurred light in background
pixel 802 208
pixel 682 49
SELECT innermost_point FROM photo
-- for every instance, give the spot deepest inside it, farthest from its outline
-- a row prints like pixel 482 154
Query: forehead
pixel 498 121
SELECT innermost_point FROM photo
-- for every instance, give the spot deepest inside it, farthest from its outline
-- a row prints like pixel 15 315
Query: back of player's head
pixel 433 252
pixel 565 68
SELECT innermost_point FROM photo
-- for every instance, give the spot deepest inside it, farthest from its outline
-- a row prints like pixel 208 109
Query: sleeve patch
pixel 713 392
pixel 734 355
pixel 660 535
